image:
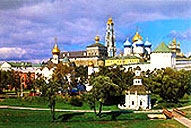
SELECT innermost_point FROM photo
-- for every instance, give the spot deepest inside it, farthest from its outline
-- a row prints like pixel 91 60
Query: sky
pixel 28 27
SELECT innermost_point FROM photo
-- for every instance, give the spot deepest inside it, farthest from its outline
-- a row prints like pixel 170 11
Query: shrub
pixel 35 99
pixel 75 101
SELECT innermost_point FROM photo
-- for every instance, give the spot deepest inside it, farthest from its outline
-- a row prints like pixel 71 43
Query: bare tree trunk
pixel 100 109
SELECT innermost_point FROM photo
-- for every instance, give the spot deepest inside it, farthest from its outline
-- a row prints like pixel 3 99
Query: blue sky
pixel 28 28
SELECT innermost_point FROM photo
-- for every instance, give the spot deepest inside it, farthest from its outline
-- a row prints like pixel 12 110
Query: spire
pixel 55 41
pixel 110 21
pixel 174 41
pixel 55 50
pixel 178 44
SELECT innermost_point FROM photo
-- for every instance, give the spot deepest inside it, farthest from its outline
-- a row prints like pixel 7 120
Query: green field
pixel 44 104
pixel 25 118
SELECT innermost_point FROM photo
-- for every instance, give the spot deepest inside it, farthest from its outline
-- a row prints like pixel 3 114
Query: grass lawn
pixel 44 104
pixel 25 118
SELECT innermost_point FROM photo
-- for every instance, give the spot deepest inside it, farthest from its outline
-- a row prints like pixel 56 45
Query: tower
pixel 55 53
pixel 110 39
pixel 127 47
pixel 147 46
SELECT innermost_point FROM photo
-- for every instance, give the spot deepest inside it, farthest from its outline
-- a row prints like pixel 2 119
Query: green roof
pixel 36 65
pixel 20 64
pixel 162 48
pixel 96 45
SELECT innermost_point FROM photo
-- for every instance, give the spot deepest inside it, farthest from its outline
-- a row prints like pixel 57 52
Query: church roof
pixel 141 89
pixel 65 60
pixel 127 43
pixel 73 54
pixel 147 43
pixel 96 45
pixel 162 48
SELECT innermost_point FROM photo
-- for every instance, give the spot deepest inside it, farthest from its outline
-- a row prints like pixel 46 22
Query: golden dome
pixel 137 37
pixel 178 44
pixel 97 38
pixel 110 21
pixel 170 43
pixel 174 42
pixel 55 50
pixel 90 64
pixel 182 54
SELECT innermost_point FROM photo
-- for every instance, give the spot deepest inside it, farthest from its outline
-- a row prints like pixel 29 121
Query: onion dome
pixel 170 44
pixel 174 42
pixel 137 37
pixel 139 42
pixel 110 21
pixel 127 43
pixel 97 38
pixel 147 43
pixel 90 64
pixel 178 44
pixel 55 51
pixel 182 55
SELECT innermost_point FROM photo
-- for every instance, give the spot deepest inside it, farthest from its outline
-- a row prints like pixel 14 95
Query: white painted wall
pixel 162 60
pixel 5 65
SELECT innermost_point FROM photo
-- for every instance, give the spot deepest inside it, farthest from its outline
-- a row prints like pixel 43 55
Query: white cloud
pixel 180 35
pixel 33 25
pixel 11 53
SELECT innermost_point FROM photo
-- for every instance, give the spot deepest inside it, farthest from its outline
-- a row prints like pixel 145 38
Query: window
pixel 141 102
pixel 132 102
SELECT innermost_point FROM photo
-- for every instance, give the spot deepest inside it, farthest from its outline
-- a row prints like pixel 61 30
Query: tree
pixel 30 81
pixel 49 91
pixel 82 73
pixel 52 89
pixel 169 84
pixel 62 75
pixel 14 80
pixel 103 88
pixel 4 80
pixel 40 83
pixel 118 75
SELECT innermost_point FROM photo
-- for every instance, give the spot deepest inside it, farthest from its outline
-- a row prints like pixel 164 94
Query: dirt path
pixel 185 107
pixel 181 119
pixel 64 110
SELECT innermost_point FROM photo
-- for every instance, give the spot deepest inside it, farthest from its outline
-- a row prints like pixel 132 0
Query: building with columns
pixel 137 96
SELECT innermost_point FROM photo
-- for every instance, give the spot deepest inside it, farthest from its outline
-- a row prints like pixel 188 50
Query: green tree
pixel 169 84
pixel 30 81
pixel 4 80
pixel 14 80
pixel 82 73
pixel 118 75
pixel 103 88
pixel 49 91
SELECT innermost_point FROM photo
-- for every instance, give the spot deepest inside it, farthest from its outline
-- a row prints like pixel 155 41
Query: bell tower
pixel 110 39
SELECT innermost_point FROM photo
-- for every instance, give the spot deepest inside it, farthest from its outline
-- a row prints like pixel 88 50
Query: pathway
pixel 64 110
pixel 181 119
